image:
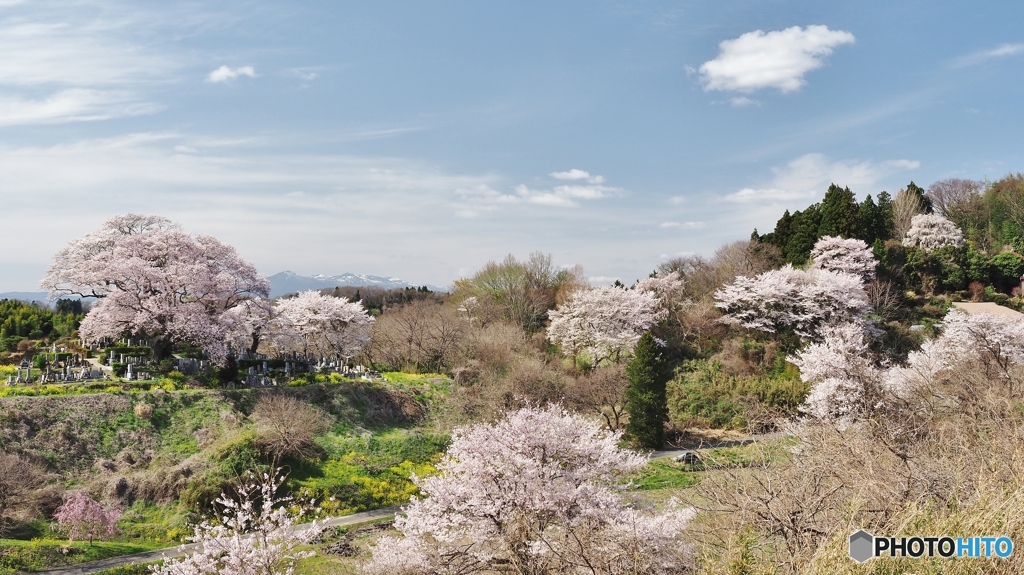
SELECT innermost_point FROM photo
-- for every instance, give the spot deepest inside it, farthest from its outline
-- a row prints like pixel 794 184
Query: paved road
pixel 719 443
pixel 170 552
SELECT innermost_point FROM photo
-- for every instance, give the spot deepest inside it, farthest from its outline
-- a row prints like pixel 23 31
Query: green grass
pixel 41 554
pixel 663 474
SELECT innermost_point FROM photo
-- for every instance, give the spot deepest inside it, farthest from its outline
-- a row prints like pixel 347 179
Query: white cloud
pixel 225 74
pixel 575 174
pixel 676 200
pixel 777 59
pixel 72 105
pixel 572 174
pixel 743 102
pixel 683 225
pixel 808 176
pixel 566 196
pixel 58 68
pixel 1001 51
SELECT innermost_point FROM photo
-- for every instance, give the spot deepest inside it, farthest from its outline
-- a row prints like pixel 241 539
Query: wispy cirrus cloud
pixel 807 177
pixel 999 52
pixel 778 59
pixel 227 74
pixel 60 65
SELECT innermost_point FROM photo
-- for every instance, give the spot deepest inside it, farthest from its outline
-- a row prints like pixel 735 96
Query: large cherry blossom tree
pixel 607 321
pixel 313 324
pixel 931 232
pixel 540 491
pixel 155 281
pixel 850 256
pixel 793 299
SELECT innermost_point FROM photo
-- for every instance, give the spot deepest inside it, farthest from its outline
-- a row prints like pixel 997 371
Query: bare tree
pixel 906 205
pixel 949 197
pixel 286 427
pixel 704 276
pixel 424 335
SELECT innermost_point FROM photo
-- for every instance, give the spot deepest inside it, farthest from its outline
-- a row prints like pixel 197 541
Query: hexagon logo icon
pixel 861 546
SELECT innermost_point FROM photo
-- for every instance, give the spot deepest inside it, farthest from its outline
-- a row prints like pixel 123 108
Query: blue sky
pixel 421 140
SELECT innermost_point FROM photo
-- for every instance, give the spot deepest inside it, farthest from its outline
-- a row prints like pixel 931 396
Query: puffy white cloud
pixel 777 59
pixel 225 74
pixel 808 177
pixel 576 174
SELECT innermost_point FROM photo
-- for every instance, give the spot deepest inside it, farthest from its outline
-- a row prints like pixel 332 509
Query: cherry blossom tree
pixel 315 324
pixel 990 344
pixel 931 232
pixel 252 534
pixel 844 379
pixel 540 491
pixel 157 282
pixel 607 322
pixel 84 518
pixel 792 299
pixel 850 256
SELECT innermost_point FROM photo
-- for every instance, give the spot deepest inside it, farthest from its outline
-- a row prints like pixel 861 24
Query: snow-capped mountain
pixel 291 282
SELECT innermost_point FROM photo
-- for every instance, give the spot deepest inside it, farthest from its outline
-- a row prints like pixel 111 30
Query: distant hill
pixel 291 282
pixel 29 296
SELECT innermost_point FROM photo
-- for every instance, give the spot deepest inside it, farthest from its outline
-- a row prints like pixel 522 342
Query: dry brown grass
pixel 947 461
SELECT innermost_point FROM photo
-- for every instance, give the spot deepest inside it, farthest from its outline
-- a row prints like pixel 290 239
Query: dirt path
pixel 179 551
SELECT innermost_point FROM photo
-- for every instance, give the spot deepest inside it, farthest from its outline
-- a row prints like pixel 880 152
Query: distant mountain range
pixel 291 282
pixel 281 284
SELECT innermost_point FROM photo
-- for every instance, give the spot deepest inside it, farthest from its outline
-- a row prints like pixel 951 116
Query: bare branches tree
pixel 286 426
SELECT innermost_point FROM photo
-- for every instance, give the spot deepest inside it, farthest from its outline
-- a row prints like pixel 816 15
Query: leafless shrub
pixel 286 427
pixel 885 299
pixel 20 481
pixel 601 391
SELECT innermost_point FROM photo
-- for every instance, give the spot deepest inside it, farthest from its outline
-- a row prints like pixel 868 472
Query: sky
pixel 422 139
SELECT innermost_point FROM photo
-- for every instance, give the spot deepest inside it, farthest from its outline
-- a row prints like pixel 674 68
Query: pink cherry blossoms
pixel 539 491
pixel 847 381
pixel 253 535
pixel 850 256
pixel 84 518
pixel 155 281
pixel 606 322
pixel 313 324
pixel 792 299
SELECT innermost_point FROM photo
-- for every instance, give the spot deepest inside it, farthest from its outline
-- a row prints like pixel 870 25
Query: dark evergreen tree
pixel 804 235
pixel 838 213
pixel 926 202
pixel 868 221
pixel 646 403
pixel 886 220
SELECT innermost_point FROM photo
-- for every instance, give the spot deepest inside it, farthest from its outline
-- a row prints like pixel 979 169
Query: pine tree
pixel 646 402
pixel 886 219
pixel 868 221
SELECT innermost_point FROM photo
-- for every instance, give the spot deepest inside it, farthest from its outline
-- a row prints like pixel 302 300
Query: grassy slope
pixel 195 442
